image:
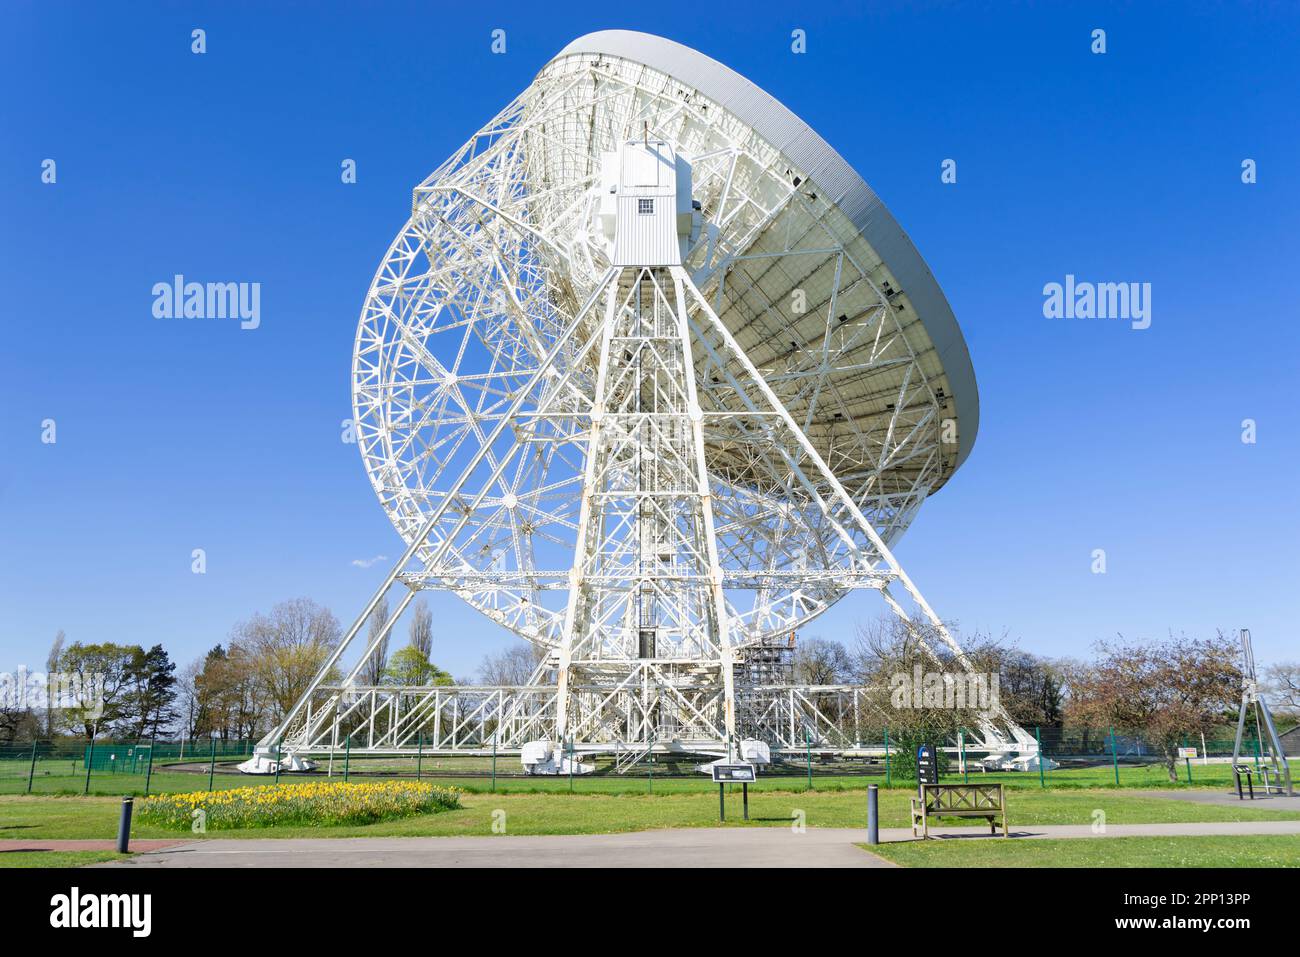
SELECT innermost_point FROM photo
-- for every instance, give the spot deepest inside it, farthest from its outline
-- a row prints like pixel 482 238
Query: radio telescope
pixel 650 378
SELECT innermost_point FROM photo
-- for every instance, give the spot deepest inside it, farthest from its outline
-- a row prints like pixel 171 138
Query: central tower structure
pixel 646 603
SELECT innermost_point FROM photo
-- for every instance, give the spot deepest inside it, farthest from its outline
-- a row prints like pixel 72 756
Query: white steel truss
pixel 644 471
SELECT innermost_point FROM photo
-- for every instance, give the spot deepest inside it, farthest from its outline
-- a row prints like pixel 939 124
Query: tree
pixel 209 704
pixel 51 666
pixel 189 697
pixel 1282 683
pixel 17 723
pixel 512 666
pixel 888 657
pixel 246 703
pixel 101 677
pixel 284 651
pixel 17 717
pixel 152 695
pixel 1029 687
pixel 410 667
pixel 372 672
pixel 1165 691
pixel 231 698
pixel 820 661
pixel 421 629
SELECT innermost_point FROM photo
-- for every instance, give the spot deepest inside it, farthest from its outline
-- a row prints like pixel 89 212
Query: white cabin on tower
pixel 646 213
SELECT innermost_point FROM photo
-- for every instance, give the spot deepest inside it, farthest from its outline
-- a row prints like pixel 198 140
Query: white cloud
pixel 367 562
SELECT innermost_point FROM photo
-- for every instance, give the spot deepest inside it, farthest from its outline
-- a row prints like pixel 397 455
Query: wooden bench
pixel 959 800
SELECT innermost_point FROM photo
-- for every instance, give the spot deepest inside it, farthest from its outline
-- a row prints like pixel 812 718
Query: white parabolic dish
pixel 802 262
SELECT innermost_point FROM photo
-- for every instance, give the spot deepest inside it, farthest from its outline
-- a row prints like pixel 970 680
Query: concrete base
pixel 265 763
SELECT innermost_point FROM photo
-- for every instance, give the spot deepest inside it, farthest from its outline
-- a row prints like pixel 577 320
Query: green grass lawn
pixel 55 858
pixel 45 817
pixel 1218 851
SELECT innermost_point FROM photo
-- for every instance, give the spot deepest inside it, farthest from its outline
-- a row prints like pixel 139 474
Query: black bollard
pixel 873 814
pixel 124 826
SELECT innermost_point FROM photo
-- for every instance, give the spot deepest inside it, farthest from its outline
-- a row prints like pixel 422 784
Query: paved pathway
pixel 1273 802
pixel 685 847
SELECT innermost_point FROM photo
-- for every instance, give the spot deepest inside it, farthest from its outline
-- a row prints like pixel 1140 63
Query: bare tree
pixel 372 672
pixel 421 629
pixel 283 650
pixel 51 666
pixel 512 666
pixel 885 645
pixel 16 722
pixel 1029 688
pixel 1282 683
pixel 244 703
pixel 821 661
pixel 188 696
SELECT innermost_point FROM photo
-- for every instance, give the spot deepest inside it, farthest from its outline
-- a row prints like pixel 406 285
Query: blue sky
pixel 1117 167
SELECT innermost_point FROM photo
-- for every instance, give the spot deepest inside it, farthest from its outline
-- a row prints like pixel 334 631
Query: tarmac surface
pixel 1271 802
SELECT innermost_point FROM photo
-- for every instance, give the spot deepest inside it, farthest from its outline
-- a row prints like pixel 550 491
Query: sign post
pixel 724 774
pixel 927 768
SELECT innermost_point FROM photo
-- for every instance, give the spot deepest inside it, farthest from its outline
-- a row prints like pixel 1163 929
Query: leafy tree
pixel 907 736
pixel 410 667
pixel 1165 691
pixel 152 696
pixel 104 677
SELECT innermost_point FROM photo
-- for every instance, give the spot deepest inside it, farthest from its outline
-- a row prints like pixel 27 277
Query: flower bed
pixel 310 803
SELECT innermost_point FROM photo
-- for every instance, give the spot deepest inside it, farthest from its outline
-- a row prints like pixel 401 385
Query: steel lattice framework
pixel 644 471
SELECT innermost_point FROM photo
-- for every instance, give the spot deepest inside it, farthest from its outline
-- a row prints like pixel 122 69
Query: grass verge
pixel 1246 850
pixel 55 858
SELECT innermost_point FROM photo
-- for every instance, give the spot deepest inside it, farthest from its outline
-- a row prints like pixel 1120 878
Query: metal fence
pixel 1078 758
pixel 76 766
